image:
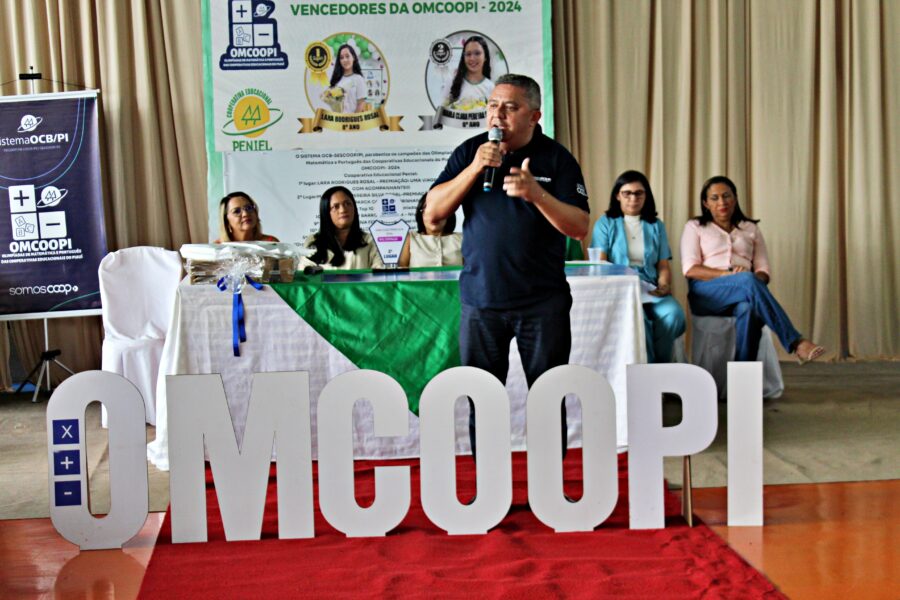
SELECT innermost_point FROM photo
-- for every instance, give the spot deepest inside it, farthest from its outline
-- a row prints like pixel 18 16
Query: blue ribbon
pixel 238 329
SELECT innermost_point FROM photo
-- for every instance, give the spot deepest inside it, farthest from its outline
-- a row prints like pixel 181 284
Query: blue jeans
pixel 750 302
pixel 543 334
pixel 663 323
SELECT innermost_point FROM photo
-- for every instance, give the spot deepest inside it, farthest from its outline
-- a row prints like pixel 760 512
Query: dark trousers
pixel 543 335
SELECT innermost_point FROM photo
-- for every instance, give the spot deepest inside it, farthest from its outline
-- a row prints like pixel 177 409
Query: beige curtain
pixel 798 102
pixel 145 57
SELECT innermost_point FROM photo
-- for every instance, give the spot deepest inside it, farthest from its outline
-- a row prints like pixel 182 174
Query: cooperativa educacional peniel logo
pixel 250 113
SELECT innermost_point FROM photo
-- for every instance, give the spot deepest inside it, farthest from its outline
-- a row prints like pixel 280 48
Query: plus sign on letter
pixel 67 462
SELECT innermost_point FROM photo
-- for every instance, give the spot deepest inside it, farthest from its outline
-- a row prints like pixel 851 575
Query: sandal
pixel 812 355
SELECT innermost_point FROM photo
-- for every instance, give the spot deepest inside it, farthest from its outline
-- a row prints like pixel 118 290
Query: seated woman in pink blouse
pixel 723 256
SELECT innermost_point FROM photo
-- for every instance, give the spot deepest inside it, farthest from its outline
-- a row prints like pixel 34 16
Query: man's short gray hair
pixel 525 83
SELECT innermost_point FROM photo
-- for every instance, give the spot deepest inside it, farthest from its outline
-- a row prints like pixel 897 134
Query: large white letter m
pixel 278 417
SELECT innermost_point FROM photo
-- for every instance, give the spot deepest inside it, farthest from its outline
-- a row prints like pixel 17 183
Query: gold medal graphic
pixel 318 58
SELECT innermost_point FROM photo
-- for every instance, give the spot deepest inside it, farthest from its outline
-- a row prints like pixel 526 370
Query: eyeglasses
pixel 726 197
pixel 237 210
pixel 339 205
pixel 636 195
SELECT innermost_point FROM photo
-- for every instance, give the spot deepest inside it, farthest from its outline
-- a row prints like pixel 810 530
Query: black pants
pixel 543 334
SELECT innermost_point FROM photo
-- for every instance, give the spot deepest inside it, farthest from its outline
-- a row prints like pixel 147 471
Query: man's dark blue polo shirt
pixel 512 256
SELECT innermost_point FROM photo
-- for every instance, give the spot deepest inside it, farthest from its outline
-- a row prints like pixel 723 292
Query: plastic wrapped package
pixel 263 262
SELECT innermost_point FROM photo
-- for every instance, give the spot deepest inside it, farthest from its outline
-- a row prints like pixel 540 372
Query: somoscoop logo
pixel 38 290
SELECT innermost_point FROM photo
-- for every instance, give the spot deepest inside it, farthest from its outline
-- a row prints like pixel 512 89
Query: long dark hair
pixel 327 239
pixel 648 211
pixel 461 69
pixel 449 224
pixel 706 216
pixel 339 70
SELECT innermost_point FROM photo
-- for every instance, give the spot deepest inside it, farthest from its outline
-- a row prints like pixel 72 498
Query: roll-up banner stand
pixel 52 235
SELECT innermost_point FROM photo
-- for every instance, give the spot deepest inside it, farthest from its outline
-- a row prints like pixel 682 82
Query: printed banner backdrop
pixel 370 95
pixel 52 235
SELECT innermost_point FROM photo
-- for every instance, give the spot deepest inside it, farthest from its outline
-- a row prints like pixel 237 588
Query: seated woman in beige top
pixel 340 243
pixel 433 245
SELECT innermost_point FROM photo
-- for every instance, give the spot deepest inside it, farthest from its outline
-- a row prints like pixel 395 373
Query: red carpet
pixel 521 558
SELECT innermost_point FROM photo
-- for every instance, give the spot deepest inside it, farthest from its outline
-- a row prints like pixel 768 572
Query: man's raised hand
pixel 520 183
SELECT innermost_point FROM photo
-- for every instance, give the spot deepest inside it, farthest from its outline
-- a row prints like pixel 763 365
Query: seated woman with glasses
pixel 434 244
pixel 631 234
pixel 723 255
pixel 340 243
pixel 239 220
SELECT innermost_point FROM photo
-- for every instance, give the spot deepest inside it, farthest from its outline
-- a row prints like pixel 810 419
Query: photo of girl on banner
pixel 347 84
pixel 460 83
pixel 348 91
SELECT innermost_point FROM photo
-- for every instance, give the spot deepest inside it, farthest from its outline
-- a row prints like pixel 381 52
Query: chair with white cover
pixel 679 355
pixel 137 291
pixel 713 344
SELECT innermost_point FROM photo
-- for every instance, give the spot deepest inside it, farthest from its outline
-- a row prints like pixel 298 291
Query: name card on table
pixel 389 238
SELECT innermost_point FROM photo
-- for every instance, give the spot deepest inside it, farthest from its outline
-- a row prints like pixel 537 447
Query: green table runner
pixel 573 250
pixel 407 329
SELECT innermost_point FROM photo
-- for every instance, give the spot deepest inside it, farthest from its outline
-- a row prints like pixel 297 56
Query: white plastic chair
pixel 713 344
pixel 679 355
pixel 137 290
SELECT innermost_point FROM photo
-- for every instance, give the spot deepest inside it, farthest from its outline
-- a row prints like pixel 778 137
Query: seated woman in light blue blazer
pixel 630 234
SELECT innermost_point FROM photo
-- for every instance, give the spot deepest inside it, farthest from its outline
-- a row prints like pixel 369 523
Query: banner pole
pixel 46 349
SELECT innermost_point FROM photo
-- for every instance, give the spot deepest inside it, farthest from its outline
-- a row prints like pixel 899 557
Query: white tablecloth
pixel 607 335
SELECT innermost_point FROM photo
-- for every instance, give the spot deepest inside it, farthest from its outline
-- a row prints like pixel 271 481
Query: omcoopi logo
pixel 252 37
pixel 250 113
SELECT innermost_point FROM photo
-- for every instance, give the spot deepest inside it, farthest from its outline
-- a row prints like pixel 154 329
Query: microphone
pixel 495 136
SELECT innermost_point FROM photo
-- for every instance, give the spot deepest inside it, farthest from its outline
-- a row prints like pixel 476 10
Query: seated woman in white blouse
pixel 434 244
pixel 340 243
pixel 723 256
pixel 631 234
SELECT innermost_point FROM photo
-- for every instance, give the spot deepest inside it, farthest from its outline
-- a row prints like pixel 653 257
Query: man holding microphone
pixel 521 197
